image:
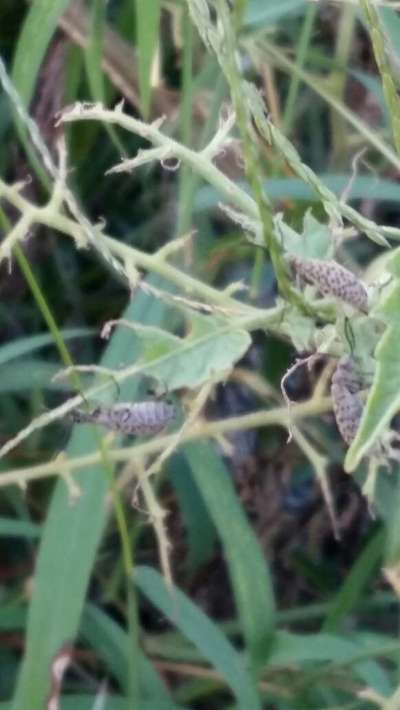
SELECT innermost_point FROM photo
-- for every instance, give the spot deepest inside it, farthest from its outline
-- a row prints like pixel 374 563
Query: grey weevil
pixel 148 417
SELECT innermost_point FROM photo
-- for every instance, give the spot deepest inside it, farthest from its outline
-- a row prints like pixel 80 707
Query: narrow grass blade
pixel 201 535
pixel 88 702
pixel 147 23
pixel 351 591
pixel 38 29
pixel 69 543
pixel 93 55
pixel 18 528
pixel 250 577
pixel 363 187
pixel 28 374
pixel 203 633
pixel 322 648
pixel 110 642
pixel 23 346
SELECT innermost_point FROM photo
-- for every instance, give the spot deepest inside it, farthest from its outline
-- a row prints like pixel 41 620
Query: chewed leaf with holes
pixel 212 346
pixel 384 397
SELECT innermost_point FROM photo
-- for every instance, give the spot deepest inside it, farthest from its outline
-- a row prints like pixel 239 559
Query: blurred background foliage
pixel 273 611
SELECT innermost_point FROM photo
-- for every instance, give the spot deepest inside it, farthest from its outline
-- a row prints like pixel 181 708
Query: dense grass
pixel 215 563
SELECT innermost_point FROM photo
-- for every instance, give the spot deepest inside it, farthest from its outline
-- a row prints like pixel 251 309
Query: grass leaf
pixel 250 578
pixel 69 544
pixel 147 24
pixel 202 632
pixel 23 346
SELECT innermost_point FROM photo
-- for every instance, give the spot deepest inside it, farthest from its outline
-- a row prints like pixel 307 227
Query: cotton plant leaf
pixel 299 329
pixel 213 345
pixel 314 242
pixel 384 396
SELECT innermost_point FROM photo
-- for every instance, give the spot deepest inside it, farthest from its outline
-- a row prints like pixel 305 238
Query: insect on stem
pixel 149 417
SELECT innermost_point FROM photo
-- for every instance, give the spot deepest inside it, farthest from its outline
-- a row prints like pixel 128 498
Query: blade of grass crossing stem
pixel 22 346
pixel 110 643
pixel 203 633
pixel 38 29
pixel 355 582
pixel 10 527
pixel 248 571
pixel 70 539
pixel 147 25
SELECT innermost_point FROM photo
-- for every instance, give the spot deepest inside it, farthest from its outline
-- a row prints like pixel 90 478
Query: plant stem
pixel 279 416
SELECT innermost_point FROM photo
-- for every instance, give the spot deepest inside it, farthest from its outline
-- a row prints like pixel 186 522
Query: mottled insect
pixel 332 279
pixel 148 417
pixel 347 407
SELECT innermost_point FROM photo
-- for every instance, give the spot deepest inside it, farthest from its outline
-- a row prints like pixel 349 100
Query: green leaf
pixel 9 527
pixel 110 642
pixel 23 346
pixel 315 241
pixel 147 23
pixel 38 29
pixel 294 188
pixel 93 55
pixel 261 14
pixel 12 617
pixel 212 346
pixel 250 578
pixel 94 50
pixel 297 649
pixel 69 542
pixel 91 702
pixel 300 329
pixel 203 633
pixel 384 396
pixel 28 374
pixel 200 531
pixel 355 583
